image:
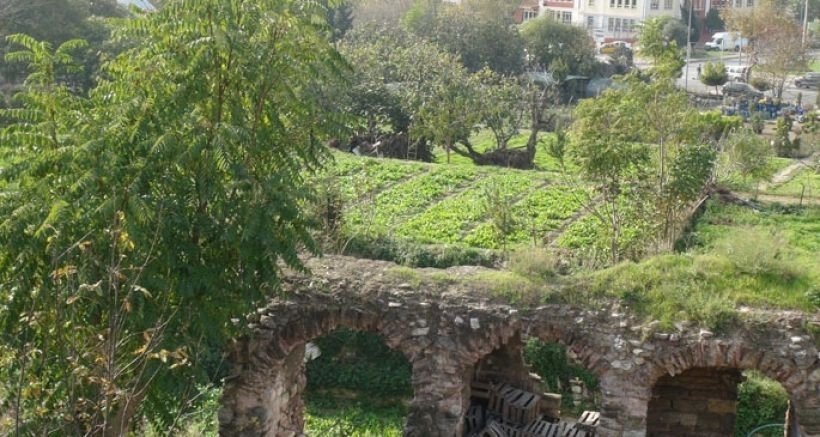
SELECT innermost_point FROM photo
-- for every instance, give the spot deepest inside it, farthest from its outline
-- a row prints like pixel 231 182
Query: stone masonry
pixel 445 326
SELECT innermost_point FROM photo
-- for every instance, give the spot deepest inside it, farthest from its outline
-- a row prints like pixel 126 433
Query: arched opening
pixel 355 385
pixel 713 402
pixel 563 374
pixel 531 388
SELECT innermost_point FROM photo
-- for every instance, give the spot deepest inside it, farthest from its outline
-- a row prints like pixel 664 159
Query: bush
pixel 359 361
pixel 538 263
pixel 550 361
pixel 412 254
pixel 718 125
pixel 760 401
pixel 758 253
pixel 760 83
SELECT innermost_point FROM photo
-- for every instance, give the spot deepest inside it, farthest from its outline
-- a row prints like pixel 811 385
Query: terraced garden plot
pixel 445 221
pixel 392 206
pixel 542 210
pixel 360 176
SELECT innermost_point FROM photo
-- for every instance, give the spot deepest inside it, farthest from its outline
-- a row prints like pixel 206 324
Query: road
pixel 731 58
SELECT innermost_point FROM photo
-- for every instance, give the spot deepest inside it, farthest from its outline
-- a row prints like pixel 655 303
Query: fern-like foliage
pixel 138 221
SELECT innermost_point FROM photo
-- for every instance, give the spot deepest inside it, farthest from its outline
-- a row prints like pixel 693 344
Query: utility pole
pixel 805 22
pixel 689 46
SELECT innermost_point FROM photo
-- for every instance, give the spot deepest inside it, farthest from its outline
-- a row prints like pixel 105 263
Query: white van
pixel 737 72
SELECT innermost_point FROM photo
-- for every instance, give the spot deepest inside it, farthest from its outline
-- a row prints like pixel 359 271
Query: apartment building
pixel 618 19
pixel 612 20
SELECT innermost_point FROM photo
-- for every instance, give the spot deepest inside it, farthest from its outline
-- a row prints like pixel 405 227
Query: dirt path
pixel 787 173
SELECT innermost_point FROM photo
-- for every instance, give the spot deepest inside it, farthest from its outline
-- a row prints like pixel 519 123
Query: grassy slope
pixel 762 259
pixel 740 257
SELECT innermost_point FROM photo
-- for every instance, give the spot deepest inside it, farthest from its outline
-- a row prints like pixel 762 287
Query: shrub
pixel 758 253
pixel 718 125
pixel 538 263
pixel 760 83
pixel 412 254
pixel 760 401
pixel 359 361
pixel 550 361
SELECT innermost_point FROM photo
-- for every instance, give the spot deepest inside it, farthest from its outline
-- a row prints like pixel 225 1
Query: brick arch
pixel 735 355
pixel 263 395
pixel 725 360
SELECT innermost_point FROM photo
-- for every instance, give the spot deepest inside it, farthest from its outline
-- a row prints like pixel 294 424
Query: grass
pixel 329 414
pixel 740 257
pixel 805 183
pixel 484 140
pixel 736 182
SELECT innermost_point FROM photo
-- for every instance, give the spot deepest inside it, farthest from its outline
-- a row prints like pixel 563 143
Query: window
pixel 617 25
pixel 654 4
pixel 567 18
pixel 620 3
pixel 591 2
pixel 667 4
pixel 634 4
pixel 529 15
pixel 738 3
pixel 590 22
pixel 611 3
pixel 750 3
pixel 631 25
pixel 610 24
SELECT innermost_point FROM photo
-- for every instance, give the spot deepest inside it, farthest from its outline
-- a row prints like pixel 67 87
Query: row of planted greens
pixel 483 207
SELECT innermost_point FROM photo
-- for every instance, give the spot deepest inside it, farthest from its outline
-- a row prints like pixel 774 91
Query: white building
pixel 144 5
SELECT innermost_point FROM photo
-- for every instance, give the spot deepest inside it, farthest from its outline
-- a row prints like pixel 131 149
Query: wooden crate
pixel 543 428
pixel 520 407
pixel 480 389
pixel 474 418
pixel 586 426
pixel 497 429
pixel 498 394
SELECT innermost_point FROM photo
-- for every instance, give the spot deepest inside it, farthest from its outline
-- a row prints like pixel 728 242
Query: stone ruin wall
pixel 443 335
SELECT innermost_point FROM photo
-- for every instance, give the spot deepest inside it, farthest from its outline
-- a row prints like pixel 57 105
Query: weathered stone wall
pixel 699 401
pixel 444 330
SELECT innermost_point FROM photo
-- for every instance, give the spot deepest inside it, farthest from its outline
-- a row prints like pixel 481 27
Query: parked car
pixel 808 80
pixel 611 47
pixel 741 90
pixel 737 72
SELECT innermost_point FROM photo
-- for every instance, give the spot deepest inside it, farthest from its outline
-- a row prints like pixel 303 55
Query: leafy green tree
pixel 447 115
pixel 713 22
pixel 747 154
pixel 400 76
pixel 611 155
pixel 139 222
pixel 641 147
pixel 656 43
pixel 714 74
pixel 547 41
pixel 481 33
pixel 340 20
pixel 502 105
